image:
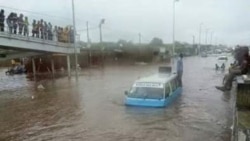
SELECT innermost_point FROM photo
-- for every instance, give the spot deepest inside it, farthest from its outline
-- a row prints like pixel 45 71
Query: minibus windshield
pixel 146 93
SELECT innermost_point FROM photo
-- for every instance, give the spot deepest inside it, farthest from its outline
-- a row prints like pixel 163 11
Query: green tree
pixel 156 41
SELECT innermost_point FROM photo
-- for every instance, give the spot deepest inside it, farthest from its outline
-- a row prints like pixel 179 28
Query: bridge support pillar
pixel 68 66
pixel 52 67
pixel 34 67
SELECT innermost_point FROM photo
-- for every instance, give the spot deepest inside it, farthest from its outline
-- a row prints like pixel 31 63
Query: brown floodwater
pixel 93 109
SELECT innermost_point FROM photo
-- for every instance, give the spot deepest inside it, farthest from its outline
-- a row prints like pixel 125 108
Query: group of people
pixel 65 35
pixel 16 24
pixel 240 67
pixel 20 22
pixel 40 28
pixel 222 66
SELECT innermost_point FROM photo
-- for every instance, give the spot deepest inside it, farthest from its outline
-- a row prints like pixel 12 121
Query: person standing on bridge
pixel 20 24
pixel 45 30
pixel 38 29
pixel 55 34
pixel 10 22
pixel 26 27
pixel 2 18
pixel 41 27
pixel 241 69
pixel 59 34
pixel 15 20
pixel 34 28
pixel 180 69
pixel 50 31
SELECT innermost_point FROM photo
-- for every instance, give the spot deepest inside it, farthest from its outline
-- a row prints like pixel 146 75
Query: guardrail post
pixel 34 68
pixel 52 67
pixel 68 66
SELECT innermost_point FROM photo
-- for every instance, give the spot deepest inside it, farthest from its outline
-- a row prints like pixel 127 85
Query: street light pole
pixel 74 26
pixel 139 38
pixel 174 27
pixel 100 27
pixel 206 35
pixel 88 44
pixel 173 49
pixel 199 48
pixel 211 39
pixel 87 24
pixel 193 40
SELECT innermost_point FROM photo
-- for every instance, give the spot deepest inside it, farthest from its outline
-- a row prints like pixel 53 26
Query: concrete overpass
pixel 18 46
pixel 19 42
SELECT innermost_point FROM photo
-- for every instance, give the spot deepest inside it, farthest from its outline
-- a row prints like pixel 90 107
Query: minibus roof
pixel 157 78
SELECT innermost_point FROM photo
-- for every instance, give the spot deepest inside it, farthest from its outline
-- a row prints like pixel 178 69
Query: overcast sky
pixel 124 19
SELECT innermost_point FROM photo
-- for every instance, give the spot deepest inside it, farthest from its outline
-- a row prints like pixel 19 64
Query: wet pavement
pixel 92 109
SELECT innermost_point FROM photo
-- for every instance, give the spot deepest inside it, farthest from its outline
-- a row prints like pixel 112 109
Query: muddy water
pixel 92 109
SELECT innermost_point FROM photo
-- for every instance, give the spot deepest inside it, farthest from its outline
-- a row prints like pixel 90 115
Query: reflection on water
pixel 92 109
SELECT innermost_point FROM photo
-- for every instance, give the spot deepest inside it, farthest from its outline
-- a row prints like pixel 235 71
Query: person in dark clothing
pixel 38 32
pixel 20 24
pixel 241 69
pixel 45 30
pixel 34 28
pixel 59 34
pixel 50 31
pixel 15 22
pixel 10 22
pixel 41 27
pixel 55 36
pixel 2 19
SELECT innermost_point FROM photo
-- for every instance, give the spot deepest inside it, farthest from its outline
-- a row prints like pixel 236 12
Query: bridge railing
pixel 7 34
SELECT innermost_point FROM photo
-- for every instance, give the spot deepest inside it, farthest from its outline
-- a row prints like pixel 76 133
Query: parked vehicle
pixel 221 63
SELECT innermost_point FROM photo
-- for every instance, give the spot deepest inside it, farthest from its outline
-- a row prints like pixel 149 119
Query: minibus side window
pixel 167 89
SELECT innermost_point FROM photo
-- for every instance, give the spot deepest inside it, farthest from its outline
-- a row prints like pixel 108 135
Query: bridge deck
pixel 19 42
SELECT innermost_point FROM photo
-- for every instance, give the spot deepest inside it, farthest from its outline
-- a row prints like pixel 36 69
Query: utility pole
pixel 199 48
pixel 193 40
pixel 100 28
pixel 196 51
pixel 211 39
pixel 206 36
pixel 173 58
pixel 139 38
pixel 174 27
pixel 74 25
pixel 87 24
pixel 88 43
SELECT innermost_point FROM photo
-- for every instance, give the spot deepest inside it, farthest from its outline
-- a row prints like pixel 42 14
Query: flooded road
pixel 92 109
